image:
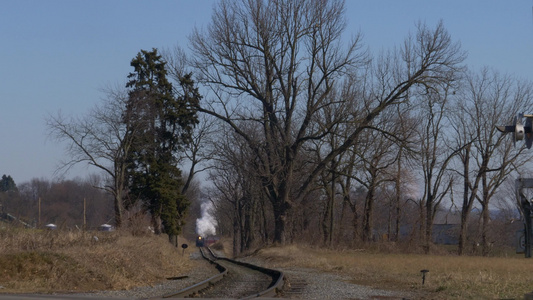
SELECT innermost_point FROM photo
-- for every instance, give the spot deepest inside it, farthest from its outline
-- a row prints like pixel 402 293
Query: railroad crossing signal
pixel 520 241
pixel 526 210
pixel 520 130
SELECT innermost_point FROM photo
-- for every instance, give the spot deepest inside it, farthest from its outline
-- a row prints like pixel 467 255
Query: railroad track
pixel 236 280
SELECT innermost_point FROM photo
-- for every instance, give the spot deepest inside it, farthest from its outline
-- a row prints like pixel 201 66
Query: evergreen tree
pixel 164 123
pixel 7 184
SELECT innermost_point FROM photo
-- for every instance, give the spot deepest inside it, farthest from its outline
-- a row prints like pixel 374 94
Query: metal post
pixel 525 207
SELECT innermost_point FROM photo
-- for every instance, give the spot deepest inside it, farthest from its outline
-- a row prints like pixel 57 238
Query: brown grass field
pixel 33 261
pixel 37 261
pixel 449 277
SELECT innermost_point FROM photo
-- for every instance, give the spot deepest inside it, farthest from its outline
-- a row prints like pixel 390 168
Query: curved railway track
pixel 236 280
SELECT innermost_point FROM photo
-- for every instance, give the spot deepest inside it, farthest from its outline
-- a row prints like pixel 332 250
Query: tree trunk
pixel 462 234
pixel 118 209
pixel 485 215
pixel 368 214
pixel 340 231
pixel 118 190
pixel 398 215
pixel 265 221
pixel 327 220
pixel 429 223
pixel 156 223
pixel 281 207
pixel 465 210
pixel 484 230
pixel 421 222
pixel 355 222
pixel 389 220
pixel 242 226
pixel 249 224
pixel 280 219
pixel 236 234
pixel 398 197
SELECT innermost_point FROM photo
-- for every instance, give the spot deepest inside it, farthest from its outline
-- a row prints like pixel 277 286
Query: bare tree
pixel 274 64
pixel 99 139
pixel 405 151
pixel 487 100
pixel 464 133
pixel 436 154
pixel 236 190
pixel 376 161
pixel 277 64
pixel 199 152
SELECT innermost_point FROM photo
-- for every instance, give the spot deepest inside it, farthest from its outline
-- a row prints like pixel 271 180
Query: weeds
pixel 59 261
pixel 450 276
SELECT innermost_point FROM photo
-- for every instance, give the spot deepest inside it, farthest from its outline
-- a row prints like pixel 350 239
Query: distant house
pixel 445 234
pixel 105 227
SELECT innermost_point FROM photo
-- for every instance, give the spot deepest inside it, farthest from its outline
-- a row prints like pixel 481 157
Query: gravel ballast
pixel 301 283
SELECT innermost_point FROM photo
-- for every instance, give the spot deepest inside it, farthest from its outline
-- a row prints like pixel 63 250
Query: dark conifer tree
pixel 165 120
pixel 7 184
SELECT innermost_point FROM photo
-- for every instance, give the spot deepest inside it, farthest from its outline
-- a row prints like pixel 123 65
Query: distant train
pixel 200 241
pixel 206 241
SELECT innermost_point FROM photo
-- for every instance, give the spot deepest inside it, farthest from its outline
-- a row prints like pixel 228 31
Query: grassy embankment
pixel 449 277
pixel 37 261
pixel 54 261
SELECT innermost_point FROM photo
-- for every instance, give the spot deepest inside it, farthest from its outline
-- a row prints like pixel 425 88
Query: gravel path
pixel 305 283
pixel 311 284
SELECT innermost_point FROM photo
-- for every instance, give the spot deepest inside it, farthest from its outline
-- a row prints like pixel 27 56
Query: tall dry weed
pixel 449 277
pixel 52 261
pixel 13 239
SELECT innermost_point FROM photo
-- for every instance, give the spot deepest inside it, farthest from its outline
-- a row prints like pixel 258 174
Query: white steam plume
pixel 206 225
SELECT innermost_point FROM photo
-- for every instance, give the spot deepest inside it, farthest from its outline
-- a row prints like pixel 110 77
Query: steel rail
pixel 193 289
pixel 275 286
pixel 277 277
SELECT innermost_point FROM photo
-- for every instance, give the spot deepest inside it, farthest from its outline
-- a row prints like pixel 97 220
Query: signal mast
pixel 520 132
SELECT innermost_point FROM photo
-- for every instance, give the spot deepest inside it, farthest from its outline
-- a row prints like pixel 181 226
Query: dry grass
pixel 450 277
pixel 55 261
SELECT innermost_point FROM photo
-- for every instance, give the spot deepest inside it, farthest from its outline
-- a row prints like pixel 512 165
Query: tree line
pixel 69 204
pixel 304 132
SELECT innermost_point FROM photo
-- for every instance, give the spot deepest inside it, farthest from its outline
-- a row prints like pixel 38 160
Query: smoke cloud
pixel 206 225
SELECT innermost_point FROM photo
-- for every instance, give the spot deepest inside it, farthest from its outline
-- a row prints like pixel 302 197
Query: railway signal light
pixel 520 130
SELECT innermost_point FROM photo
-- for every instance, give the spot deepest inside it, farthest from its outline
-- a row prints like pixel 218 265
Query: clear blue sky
pixel 56 55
